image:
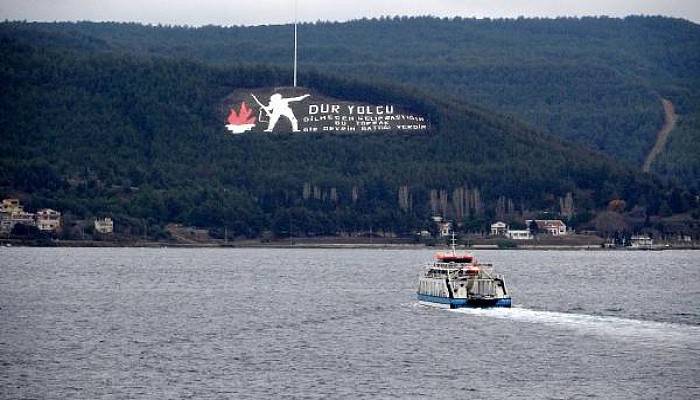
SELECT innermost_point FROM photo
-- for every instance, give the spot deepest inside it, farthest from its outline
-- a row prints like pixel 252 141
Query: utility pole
pixel 295 42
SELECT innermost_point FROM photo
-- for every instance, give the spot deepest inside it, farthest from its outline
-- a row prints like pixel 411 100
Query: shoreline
pixel 331 245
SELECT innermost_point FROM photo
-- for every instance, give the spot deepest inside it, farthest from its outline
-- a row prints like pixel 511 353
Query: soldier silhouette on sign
pixel 278 107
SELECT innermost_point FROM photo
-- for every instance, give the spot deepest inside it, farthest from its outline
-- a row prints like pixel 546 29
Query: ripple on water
pixel 299 323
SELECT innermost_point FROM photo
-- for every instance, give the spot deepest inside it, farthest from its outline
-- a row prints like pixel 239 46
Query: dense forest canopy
pixel 96 121
pixel 596 81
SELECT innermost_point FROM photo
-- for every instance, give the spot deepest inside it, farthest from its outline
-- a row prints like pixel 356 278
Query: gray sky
pixel 259 12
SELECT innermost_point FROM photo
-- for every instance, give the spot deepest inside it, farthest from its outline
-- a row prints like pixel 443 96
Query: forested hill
pixel 140 139
pixel 597 81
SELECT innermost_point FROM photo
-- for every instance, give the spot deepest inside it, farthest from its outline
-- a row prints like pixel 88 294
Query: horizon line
pixel 351 20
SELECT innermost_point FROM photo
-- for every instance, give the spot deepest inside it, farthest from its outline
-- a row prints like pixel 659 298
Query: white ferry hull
pixel 446 302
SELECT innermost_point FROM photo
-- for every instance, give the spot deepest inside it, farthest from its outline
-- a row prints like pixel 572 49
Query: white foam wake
pixel 682 334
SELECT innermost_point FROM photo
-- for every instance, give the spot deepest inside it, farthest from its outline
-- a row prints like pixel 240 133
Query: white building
pixel 445 229
pixel 519 234
pixel 499 229
pixel 641 242
pixel 104 225
pixel 12 213
pixel 10 206
pixel 554 227
pixel 48 220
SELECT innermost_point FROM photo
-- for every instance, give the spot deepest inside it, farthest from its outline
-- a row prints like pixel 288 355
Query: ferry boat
pixel 457 279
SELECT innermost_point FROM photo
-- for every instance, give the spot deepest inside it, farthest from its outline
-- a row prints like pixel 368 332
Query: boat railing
pixel 439 269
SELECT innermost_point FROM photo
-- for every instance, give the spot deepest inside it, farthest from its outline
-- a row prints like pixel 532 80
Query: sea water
pixel 316 324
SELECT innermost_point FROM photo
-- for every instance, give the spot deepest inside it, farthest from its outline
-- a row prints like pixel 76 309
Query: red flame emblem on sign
pixel 243 117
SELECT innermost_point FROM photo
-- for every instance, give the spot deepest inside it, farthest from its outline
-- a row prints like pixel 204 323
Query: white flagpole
pixel 295 43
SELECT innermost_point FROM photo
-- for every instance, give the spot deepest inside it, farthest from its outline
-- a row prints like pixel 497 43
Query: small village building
pixel 499 229
pixel 554 227
pixel 10 206
pixel 6 224
pixel 682 237
pixel 519 234
pixel 24 217
pixel 48 220
pixel 104 225
pixel 445 229
pixel 8 221
pixel 641 242
pixel 12 213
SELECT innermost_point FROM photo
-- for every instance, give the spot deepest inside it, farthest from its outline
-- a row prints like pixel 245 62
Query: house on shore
pixel 10 206
pixel 499 228
pixel 445 228
pixel 12 213
pixel 48 220
pixel 641 242
pixel 554 227
pixel 104 225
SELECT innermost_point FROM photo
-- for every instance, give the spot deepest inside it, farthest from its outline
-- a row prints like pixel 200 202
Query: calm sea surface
pixel 318 324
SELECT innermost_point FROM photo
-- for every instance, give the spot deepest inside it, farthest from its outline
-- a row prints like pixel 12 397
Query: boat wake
pixel 596 324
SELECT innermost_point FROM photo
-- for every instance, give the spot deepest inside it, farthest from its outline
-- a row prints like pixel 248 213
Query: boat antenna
pixel 454 244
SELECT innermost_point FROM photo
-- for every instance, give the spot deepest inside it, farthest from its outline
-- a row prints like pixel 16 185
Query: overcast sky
pixel 260 12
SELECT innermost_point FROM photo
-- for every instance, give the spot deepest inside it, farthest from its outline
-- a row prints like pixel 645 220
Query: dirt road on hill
pixel 662 137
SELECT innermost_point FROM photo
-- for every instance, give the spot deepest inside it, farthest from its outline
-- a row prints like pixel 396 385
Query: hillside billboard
pixel 298 110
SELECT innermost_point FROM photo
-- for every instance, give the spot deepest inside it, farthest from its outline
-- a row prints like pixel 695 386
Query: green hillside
pixel 140 139
pixel 597 81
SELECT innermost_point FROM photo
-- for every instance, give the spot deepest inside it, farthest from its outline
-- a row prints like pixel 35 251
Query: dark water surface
pixel 316 324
